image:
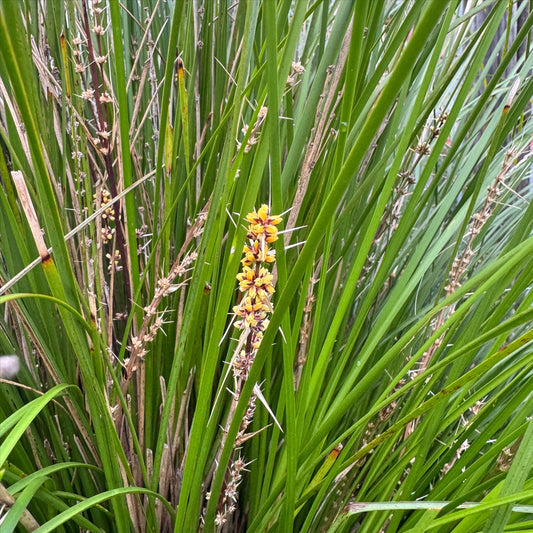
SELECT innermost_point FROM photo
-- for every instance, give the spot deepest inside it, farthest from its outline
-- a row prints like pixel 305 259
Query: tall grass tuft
pixel 151 380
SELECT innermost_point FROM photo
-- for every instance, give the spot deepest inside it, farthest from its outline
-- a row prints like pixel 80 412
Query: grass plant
pixel 369 370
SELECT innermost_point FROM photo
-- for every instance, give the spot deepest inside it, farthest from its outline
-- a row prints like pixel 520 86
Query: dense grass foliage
pixel 385 385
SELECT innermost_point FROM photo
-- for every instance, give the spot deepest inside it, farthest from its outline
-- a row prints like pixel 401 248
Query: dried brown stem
pixel 105 150
pixel 323 118
pixel 178 268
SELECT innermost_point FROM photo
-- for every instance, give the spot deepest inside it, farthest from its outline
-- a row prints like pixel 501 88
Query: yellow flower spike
pixel 255 281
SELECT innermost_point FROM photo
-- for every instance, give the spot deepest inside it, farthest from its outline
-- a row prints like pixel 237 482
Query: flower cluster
pixel 231 495
pixel 107 231
pixel 107 216
pixel 255 281
pixel 255 133
pixel 256 284
pixel 153 320
pixel 297 69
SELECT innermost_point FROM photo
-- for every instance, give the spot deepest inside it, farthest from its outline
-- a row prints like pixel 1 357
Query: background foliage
pixel 393 385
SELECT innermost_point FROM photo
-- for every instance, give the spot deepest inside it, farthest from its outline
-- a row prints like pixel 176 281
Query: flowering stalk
pixel 255 282
pixel 459 266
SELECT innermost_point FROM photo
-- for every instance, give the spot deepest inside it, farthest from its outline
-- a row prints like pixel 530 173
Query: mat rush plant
pixel 151 380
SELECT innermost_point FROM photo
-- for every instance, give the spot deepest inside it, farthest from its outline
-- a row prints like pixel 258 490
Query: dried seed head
pixel 87 94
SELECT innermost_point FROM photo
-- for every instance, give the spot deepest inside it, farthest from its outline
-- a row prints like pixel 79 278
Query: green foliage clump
pixel 385 385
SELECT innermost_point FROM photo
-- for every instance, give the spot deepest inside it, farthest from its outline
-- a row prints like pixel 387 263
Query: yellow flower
pixel 263 280
pixel 246 279
pixel 251 305
pixel 255 253
pixel 263 217
pixel 262 223
pixel 258 284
